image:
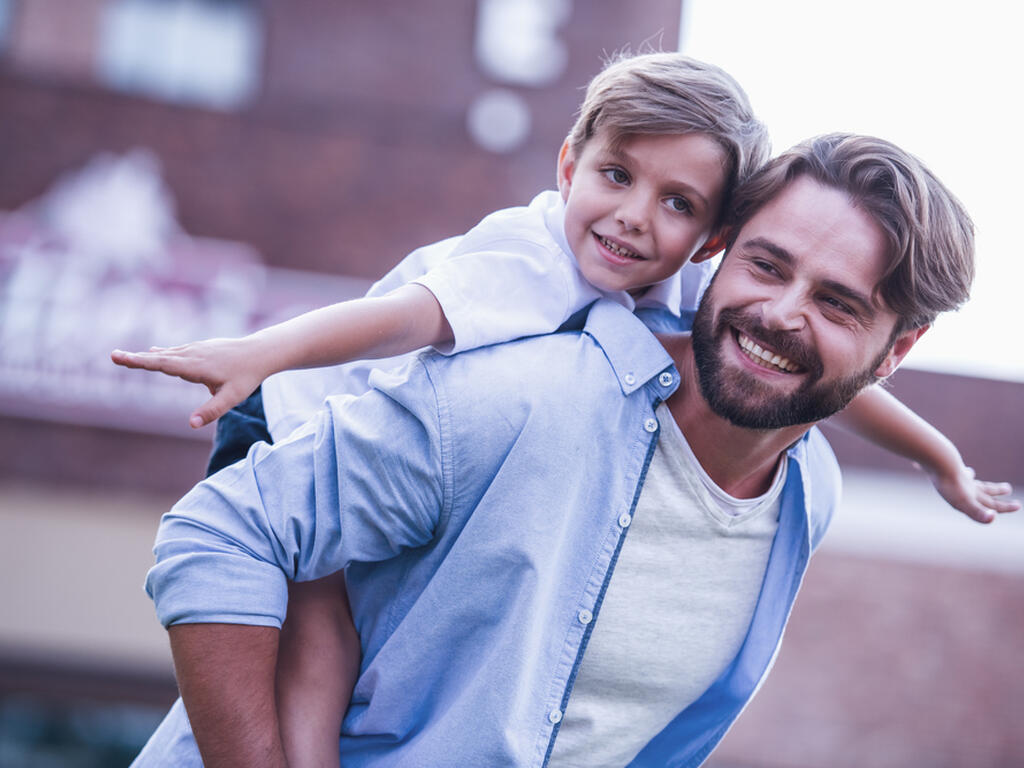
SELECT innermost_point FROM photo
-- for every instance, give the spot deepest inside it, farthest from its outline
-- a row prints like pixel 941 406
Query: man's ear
pixel 566 166
pixel 714 245
pixel 903 344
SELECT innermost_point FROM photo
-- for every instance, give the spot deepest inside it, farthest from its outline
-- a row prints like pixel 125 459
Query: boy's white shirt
pixel 512 275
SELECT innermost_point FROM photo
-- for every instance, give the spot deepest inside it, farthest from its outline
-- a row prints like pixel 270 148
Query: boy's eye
pixel 680 205
pixel 616 175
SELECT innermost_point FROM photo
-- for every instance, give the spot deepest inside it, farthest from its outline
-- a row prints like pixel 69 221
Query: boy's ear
pixel 566 166
pixel 903 344
pixel 714 245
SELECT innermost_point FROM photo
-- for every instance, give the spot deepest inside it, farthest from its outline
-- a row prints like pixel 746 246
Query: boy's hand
pixel 978 499
pixel 228 368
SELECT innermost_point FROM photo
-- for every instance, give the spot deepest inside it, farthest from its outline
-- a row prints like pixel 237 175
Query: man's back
pixel 483 500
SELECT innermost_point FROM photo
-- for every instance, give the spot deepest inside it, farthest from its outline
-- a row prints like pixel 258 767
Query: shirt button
pixel 651 425
pixel 585 616
pixel 665 379
pixel 630 379
pixel 555 716
pixel 625 519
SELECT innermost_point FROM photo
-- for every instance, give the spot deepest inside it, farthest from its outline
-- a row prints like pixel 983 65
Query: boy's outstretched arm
pixel 406 319
pixel 878 416
pixel 317 665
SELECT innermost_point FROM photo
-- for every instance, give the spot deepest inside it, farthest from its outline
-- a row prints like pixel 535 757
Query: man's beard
pixel 747 402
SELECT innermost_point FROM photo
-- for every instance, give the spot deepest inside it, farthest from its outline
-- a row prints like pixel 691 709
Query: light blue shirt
pixel 479 503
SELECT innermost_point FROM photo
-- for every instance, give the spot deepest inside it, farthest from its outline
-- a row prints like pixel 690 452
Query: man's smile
pixel 766 358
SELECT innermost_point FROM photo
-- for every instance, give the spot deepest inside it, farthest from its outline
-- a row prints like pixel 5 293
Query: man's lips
pixel 619 250
pixel 764 357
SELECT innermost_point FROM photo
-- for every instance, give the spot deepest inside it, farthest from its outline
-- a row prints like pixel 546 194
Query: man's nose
pixel 785 310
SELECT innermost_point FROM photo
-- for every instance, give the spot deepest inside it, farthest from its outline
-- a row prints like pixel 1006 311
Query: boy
pixel 644 179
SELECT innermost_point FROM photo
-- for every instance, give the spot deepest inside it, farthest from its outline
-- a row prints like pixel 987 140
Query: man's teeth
pixel 617 249
pixel 766 357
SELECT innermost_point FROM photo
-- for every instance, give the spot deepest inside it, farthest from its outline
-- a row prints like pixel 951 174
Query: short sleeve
pixel 361 482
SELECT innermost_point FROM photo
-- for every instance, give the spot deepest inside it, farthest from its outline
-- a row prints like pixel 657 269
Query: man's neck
pixel 741 461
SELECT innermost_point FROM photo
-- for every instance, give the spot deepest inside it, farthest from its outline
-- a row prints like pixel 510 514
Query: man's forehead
pixel 813 221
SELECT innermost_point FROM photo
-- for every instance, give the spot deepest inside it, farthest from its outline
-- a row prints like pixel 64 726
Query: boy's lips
pixel 620 251
pixel 765 357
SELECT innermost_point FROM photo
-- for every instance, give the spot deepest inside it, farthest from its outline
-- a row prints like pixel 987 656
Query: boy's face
pixel 636 213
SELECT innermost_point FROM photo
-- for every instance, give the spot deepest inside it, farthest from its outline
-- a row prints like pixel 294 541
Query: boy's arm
pixel 317 666
pixel 878 416
pixel 406 319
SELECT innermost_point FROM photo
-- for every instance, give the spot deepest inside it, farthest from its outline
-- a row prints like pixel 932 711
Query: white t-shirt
pixel 677 608
pixel 512 275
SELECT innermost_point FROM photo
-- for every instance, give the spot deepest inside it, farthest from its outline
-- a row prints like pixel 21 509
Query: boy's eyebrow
pixel 865 305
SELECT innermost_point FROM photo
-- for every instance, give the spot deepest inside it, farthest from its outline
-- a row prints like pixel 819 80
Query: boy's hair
pixel 669 93
pixel 931 237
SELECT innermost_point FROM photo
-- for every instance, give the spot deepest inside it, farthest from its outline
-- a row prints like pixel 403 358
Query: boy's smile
pixel 638 209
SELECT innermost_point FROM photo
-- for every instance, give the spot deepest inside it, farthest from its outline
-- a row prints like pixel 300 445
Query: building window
pixel 5 20
pixel 203 52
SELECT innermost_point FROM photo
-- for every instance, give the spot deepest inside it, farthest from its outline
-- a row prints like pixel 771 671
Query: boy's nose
pixel 633 213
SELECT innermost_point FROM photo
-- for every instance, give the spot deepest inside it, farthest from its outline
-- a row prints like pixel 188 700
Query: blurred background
pixel 179 169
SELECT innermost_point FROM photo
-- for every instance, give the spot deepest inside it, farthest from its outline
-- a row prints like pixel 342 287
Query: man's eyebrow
pixel 774 249
pixel 865 306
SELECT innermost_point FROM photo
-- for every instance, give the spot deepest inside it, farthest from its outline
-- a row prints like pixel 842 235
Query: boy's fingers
pixel 213 409
pixel 996 489
pixel 129 359
pixel 1004 505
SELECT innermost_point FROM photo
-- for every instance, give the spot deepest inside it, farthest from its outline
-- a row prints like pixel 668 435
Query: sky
pixel 942 80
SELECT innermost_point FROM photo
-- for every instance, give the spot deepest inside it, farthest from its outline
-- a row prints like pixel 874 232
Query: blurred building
pixel 175 169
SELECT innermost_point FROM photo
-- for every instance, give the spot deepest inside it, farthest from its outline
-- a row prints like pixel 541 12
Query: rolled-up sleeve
pixel 361 482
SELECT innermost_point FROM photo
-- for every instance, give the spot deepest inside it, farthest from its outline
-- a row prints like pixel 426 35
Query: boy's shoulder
pixel 539 223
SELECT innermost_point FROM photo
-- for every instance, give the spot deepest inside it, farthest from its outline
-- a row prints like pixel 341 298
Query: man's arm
pixel 226 677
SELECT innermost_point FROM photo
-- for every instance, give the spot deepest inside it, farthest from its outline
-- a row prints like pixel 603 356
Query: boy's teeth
pixel 765 357
pixel 618 250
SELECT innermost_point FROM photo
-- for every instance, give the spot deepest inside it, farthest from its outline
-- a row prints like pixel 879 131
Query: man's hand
pixel 230 369
pixel 978 499
pixel 226 677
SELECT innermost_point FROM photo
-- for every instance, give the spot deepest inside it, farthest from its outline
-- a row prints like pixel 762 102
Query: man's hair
pixel 672 94
pixel 930 235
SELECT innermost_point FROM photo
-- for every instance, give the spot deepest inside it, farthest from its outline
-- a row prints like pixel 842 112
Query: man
pixel 481 503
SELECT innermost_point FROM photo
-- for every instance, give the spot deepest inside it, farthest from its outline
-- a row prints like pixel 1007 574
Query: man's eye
pixel 616 175
pixel 765 266
pixel 833 303
pixel 680 205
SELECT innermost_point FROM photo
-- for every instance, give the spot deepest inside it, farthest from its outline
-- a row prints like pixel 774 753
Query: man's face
pixel 637 212
pixel 789 330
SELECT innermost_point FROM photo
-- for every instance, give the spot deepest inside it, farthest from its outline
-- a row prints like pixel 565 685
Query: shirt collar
pixel 634 353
